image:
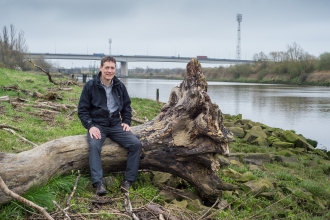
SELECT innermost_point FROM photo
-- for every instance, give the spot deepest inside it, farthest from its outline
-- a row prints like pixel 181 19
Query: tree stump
pixel 183 140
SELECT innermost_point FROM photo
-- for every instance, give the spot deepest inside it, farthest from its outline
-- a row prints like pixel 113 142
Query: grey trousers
pixel 125 139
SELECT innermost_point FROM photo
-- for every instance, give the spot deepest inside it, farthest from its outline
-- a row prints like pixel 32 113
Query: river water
pixel 305 109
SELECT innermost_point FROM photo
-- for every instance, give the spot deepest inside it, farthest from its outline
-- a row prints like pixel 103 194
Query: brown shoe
pixel 100 189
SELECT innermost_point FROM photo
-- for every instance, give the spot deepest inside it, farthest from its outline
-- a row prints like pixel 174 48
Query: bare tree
pixel 294 51
pixel 260 57
pixel 12 48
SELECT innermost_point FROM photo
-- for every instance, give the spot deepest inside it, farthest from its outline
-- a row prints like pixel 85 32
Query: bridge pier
pixel 123 68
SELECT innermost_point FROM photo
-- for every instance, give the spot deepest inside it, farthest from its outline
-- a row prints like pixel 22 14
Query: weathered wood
pixel 4 98
pixel 183 140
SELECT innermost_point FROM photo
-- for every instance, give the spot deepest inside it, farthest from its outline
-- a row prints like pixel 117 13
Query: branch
pixel 23 200
pixel 49 76
pixel 21 137
pixel 62 210
pixel 8 126
pixel 74 189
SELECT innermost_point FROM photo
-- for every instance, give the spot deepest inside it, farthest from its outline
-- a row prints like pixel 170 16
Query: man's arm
pixel 84 109
pixel 126 111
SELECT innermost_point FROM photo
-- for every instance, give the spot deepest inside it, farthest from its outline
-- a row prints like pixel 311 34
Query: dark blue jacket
pixel 92 108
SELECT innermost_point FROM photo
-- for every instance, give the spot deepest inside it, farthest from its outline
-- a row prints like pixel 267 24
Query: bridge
pixel 124 59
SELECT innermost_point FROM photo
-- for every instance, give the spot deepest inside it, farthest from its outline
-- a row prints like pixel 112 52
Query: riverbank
pixel 321 78
pixel 281 181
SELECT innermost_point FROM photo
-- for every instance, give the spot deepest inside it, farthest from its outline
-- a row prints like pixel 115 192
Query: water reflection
pixel 304 109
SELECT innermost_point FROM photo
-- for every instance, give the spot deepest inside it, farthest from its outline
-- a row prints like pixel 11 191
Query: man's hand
pixel 95 132
pixel 126 127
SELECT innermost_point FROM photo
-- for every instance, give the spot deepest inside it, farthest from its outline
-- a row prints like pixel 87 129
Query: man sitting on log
pixel 104 110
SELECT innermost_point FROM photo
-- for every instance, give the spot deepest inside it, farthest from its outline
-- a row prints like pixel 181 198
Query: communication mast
pixel 238 47
pixel 110 41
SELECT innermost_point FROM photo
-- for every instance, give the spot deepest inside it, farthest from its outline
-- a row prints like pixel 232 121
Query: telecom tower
pixel 110 41
pixel 238 47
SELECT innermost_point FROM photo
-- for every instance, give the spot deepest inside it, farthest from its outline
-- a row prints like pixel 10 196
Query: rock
pixel 253 167
pixel 236 162
pixel 267 195
pixel 237 176
pixel 177 194
pixel 238 132
pixel 257 136
pixel 283 144
pixel 160 177
pixel 224 161
pixel 283 159
pixel 297 140
pixel 256 158
pixel 223 204
pixel 286 153
pixel 257 186
pixel 167 195
pixel 260 141
pixel 182 204
pixel 196 206
pixel 271 139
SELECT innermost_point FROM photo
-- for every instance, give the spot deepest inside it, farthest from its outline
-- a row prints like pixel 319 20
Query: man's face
pixel 108 70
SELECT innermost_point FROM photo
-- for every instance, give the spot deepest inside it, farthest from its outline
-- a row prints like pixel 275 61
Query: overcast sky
pixel 168 28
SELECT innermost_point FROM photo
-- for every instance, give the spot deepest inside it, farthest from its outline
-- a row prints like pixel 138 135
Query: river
pixel 305 109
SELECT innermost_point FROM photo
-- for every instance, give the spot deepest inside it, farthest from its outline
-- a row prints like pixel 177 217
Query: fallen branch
pixel 74 189
pixel 62 210
pixel 216 202
pixel 49 76
pixel 21 137
pixel 10 193
pixel 128 205
pixel 71 113
pixel 66 89
pixel 4 98
pixel 8 126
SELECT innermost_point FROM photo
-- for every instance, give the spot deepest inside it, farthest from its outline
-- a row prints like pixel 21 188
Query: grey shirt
pixel 111 102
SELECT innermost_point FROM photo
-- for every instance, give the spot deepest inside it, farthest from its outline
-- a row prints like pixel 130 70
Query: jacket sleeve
pixel 84 108
pixel 126 111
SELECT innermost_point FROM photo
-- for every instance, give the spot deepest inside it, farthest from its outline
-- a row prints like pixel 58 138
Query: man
pixel 105 111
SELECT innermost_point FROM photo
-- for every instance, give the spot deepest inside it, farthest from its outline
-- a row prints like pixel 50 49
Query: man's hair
pixel 108 59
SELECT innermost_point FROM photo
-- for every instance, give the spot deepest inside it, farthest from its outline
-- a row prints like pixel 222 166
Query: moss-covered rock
pixel 283 159
pixel 283 144
pixel 237 131
pixel 238 176
pixel 256 136
pixel 298 141
pixel 257 186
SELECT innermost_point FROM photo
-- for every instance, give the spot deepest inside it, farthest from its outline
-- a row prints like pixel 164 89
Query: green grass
pixel 301 190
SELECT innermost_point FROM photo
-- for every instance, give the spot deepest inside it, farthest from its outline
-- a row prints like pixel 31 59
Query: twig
pixel 71 113
pixel 49 76
pixel 21 137
pixel 66 215
pixel 216 202
pixel 10 193
pixel 128 205
pixel 8 126
pixel 74 189
pixel 270 206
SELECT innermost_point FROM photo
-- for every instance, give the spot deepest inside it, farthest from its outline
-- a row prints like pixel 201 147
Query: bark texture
pixel 183 140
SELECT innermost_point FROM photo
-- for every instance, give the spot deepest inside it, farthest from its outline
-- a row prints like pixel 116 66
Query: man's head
pixel 108 59
pixel 108 69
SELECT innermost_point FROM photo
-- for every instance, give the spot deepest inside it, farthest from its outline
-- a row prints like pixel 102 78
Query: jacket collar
pixel 114 79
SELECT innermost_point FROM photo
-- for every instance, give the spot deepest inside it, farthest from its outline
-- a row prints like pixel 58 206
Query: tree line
pixel 294 63
pixel 13 47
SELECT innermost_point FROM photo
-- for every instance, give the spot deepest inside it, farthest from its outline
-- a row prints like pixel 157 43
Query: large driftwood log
pixel 183 140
